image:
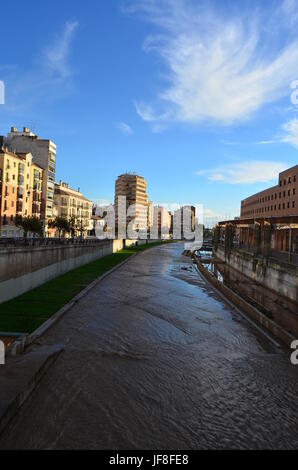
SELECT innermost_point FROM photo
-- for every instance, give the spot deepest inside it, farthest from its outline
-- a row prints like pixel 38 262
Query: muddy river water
pixel 155 359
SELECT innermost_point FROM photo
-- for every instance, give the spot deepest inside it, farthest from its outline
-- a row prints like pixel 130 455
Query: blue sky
pixel 193 95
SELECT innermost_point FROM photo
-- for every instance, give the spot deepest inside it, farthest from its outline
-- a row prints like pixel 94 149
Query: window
pixel 293 205
pixel 294 192
pixel 289 192
pixel 290 180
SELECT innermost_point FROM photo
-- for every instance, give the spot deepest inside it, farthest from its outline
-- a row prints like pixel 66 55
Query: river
pixel 155 359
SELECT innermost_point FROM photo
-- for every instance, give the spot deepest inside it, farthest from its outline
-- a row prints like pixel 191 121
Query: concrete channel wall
pixel 272 327
pixel 278 276
pixel 24 268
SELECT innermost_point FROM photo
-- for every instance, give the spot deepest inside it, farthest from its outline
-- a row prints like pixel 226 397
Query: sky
pixel 199 97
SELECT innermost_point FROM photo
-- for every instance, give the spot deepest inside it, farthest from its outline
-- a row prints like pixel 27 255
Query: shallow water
pixel 154 359
pixel 277 307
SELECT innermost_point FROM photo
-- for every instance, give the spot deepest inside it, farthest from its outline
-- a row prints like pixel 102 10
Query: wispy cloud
pixel 47 79
pixel 290 132
pixel 249 172
pixel 219 67
pixel 125 128
pixel 56 55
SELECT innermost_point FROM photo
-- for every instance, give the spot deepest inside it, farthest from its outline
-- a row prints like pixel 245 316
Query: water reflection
pixel 273 305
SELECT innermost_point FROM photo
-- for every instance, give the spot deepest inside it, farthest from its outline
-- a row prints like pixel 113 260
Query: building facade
pixel 71 204
pixel 279 201
pixel 134 188
pixel 21 183
pixel 44 155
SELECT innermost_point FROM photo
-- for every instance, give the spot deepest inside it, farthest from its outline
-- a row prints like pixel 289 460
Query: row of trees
pixel 63 225
pixel 66 226
pixel 29 225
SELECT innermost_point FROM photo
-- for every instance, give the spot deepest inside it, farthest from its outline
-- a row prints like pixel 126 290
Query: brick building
pixel 279 201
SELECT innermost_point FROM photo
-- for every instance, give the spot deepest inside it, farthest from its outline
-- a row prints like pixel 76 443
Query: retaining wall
pixel 278 276
pixel 24 268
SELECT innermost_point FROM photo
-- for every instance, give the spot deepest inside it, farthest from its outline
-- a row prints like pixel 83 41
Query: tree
pixel 29 224
pixel 61 224
pixel 72 225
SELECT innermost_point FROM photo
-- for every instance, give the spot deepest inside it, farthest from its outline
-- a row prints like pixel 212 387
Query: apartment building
pixel 20 190
pixel 163 218
pixel 70 203
pixel 186 213
pixel 279 201
pixel 134 188
pixel 44 155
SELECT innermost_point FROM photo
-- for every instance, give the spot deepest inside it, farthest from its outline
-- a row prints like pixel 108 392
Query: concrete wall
pixel 24 268
pixel 278 276
pixel 274 328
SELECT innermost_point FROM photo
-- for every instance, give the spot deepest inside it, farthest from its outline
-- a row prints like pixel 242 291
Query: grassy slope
pixel 27 312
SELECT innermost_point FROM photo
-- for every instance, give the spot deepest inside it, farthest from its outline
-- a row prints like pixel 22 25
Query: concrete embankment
pixel 253 313
pixel 20 376
pixel 276 275
pixel 23 268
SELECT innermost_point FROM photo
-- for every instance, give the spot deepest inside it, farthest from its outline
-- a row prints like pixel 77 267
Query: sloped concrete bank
pixel 276 275
pixel 258 317
pixel 20 376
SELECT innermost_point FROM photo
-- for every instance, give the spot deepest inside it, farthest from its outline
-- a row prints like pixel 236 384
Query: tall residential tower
pixel 134 188
pixel 44 154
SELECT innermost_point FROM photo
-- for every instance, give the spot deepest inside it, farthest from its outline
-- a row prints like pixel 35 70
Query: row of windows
pixel 20 189
pixel 280 195
pixel 271 208
pixel 21 165
pixel 284 182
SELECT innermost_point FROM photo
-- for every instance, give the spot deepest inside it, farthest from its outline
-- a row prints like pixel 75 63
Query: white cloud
pixel 221 67
pixel 249 172
pixel 290 135
pixel 103 202
pixel 56 56
pixel 125 128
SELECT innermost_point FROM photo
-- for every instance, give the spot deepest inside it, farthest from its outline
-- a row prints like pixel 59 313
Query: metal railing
pixel 6 242
pixel 282 256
